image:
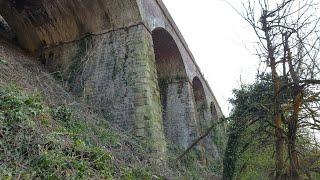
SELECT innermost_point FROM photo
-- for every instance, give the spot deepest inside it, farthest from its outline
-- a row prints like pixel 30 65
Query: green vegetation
pixel 250 149
pixel 189 167
pixel 51 143
pixel 43 142
pixel 3 61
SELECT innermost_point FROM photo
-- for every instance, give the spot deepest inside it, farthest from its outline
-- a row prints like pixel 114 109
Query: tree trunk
pixel 293 122
pixel 292 136
pixel 277 118
pixel 279 147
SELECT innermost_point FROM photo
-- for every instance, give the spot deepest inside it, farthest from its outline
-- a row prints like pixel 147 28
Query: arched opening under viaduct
pixel 200 109
pixel 174 87
pixel 200 101
pixel 205 118
pixel 213 111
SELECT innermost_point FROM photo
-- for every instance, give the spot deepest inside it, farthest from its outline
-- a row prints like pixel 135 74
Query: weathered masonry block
pixel 115 73
pixel 126 59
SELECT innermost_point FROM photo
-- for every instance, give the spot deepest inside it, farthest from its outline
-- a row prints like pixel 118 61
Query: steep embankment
pixel 47 133
pixel 50 134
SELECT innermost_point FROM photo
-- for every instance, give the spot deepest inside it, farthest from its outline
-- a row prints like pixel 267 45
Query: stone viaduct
pixel 126 59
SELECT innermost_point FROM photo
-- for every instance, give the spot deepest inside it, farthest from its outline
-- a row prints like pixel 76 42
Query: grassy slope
pixel 38 141
pixel 51 134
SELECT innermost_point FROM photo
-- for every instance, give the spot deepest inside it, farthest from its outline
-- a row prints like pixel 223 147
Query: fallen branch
pixel 199 139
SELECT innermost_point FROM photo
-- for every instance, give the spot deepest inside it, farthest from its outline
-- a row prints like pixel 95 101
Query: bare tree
pixel 288 46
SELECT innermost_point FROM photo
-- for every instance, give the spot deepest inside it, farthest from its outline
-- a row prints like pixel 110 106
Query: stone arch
pixel 42 23
pixel 213 111
pixel 207 146
pixel 174 87
pixel 168 58
pixel 200 101
pixel 200 110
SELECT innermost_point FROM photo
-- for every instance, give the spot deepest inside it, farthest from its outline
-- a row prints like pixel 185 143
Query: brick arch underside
pixel 43 23
pixel 174 88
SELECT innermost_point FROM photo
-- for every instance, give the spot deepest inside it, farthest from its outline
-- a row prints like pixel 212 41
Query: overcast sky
pixel 216 36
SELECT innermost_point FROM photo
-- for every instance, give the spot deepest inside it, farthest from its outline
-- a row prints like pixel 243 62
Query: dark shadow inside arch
pixel 213 111
pixel 205 118
pixel 200 101
pixel 200 109
pixel 173 85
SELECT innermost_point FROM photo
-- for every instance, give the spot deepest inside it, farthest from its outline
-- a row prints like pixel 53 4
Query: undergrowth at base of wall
pixel 42 142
